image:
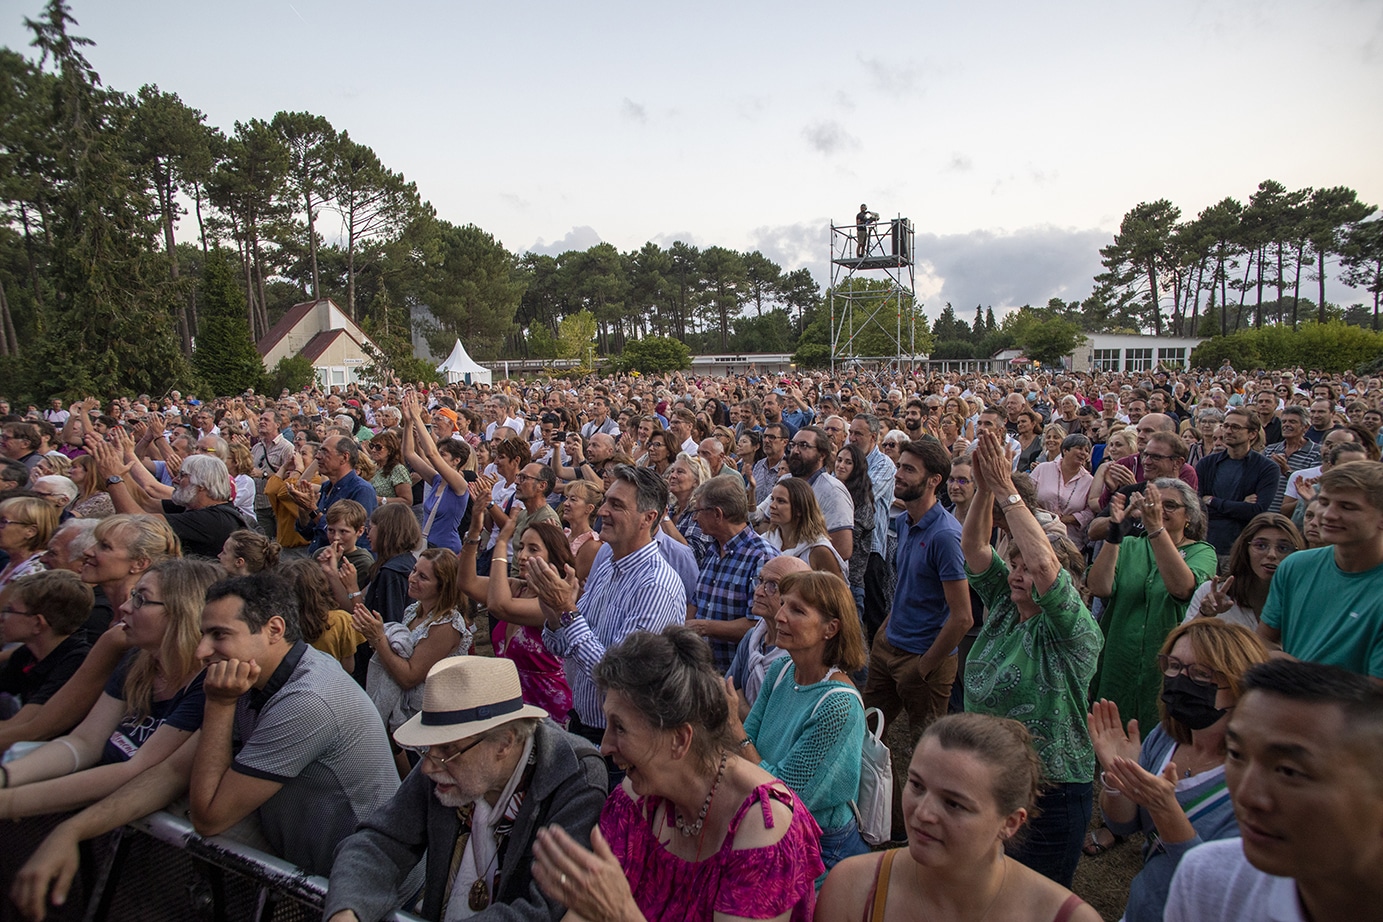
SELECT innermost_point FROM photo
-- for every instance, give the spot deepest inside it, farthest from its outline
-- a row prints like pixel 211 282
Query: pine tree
pixel 225 357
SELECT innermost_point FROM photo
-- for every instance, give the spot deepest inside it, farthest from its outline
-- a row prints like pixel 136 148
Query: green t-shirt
pixel 1037 671
pixel 1327 615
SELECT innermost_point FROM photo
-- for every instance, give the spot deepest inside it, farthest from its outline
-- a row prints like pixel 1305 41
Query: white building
pixel 322 333
pixel 1132 352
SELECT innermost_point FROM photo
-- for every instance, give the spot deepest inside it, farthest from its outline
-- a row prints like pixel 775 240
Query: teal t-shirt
pixel 1037 671
pixel 1326 615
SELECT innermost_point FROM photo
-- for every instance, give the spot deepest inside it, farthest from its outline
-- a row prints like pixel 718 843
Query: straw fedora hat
pixel 463 696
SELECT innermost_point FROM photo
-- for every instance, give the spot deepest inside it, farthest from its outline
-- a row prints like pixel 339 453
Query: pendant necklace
pixel 694 828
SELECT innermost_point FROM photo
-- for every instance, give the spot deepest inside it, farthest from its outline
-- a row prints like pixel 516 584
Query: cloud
pixel 829 137
pixel 796 246
pixel 960 163
pixel 578 238
pixel 893 79
pixel 1007 270
pixel 514 200
pixel 633 111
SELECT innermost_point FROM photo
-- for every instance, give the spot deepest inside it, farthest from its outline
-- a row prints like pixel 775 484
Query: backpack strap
pixel 878 897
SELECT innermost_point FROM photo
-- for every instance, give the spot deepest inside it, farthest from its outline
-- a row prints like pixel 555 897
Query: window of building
pixel 1105 360
pixel 1172 358
pixel 1138 359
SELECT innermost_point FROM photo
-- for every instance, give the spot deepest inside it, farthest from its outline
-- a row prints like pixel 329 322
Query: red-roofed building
pixel 322 333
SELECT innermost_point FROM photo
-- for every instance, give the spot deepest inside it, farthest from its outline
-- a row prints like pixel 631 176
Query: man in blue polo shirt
pixel 337 459
pixel 913 661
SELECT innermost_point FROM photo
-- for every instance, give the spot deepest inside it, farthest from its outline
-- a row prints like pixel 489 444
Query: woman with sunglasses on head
pixel 150 706
pixel 1239 596
pixel 392 481
pixel 1171 786
pixel 1147 583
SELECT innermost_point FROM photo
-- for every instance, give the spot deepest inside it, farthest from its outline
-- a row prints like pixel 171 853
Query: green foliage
pixel 576 335
pixel 812 355
pixel 225 358
pixel 541 343
pixel 655 355
pixel 1330 347
pixel 293 373
pixel 1043 336
pixel 953 349
pixel 473 289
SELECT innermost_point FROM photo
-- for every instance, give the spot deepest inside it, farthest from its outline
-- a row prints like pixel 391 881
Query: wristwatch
pixel 567 617
pixel 115 478
pixel 1013 499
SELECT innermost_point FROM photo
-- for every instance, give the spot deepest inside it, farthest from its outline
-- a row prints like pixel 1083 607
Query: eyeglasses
pixel 139 598
pixel 1201 675
pixel 960 481
pixel 1169 506
pixel 527 478
pixel 1235 427
pixel 697 510
pixel 769 586
pixel 802 446
pixel 7 611
pixel 1153 456
pixel 1282 547
pixel 772 438
pixel 7 522
pixel 430 752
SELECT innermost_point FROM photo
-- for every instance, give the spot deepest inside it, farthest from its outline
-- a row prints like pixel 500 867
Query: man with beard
pixel 807 453
pixel 775 443
pixel 199 511
pixel 493 773
pixel 912 418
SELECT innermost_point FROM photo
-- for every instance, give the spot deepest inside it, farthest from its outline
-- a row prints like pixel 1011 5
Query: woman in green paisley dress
pixel 1034 657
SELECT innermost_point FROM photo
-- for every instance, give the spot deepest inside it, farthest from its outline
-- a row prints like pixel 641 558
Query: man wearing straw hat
pixel 493 771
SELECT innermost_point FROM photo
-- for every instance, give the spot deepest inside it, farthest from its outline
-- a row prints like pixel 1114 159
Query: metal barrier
pixel 159 869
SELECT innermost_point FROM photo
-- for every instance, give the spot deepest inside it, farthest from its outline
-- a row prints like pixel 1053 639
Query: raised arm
pixel 1038 556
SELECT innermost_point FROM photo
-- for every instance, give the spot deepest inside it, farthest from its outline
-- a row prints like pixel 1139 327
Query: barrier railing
pixel 159 869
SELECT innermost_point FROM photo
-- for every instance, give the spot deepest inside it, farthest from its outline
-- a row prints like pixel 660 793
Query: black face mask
pixel 1191 703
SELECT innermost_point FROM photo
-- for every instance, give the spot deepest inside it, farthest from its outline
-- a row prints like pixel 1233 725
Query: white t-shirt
pixel 1216 882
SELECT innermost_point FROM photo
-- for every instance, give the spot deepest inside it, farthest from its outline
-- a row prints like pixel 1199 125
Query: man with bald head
pixel 756 650
pixel 1130 470
pixel 712 451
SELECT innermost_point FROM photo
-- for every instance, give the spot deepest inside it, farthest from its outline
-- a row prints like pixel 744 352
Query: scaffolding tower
pixel 880 251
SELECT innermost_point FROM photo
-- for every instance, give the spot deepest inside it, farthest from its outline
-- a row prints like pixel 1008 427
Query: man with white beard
pixel 493 771
pixel 200 511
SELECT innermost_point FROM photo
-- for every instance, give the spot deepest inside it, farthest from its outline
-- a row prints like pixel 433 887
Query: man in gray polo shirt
pixel 313 759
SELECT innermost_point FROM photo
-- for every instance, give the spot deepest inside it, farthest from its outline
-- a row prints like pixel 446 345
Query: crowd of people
pixel 1156 593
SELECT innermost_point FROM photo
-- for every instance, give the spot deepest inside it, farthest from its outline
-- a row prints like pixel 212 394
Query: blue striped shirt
pixel 638 592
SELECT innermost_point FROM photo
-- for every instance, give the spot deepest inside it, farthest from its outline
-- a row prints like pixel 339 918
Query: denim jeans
pixel 839 844
pixel 1051 843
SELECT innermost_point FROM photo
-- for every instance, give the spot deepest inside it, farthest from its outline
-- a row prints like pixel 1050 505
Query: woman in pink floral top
pixel 694 833
pixel 517 634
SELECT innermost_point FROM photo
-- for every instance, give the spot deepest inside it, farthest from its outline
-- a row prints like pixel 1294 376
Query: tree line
pixel 102 289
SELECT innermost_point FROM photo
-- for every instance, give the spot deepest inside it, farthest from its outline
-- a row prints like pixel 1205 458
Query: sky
pixel 1013 135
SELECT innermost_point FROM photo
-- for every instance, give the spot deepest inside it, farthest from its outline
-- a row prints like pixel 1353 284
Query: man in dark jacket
pixel 1236 483
pixel 493 773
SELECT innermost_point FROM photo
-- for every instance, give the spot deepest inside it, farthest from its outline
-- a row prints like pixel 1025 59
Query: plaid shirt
pixel 724 591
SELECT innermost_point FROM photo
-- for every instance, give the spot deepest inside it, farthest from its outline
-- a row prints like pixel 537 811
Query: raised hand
pixel 1108 735
pixel 1217 601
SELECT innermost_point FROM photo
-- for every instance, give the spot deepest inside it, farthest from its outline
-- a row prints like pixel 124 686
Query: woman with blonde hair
pixel 1171 785
pixel 239 464
pixel 683 477
pixel 581 499
pixel 93 502
pixel 1117 445
pixel 26 524
pixel 151 705
pixel 798 529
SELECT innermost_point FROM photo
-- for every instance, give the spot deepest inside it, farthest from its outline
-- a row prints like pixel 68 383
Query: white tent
pixel 460 367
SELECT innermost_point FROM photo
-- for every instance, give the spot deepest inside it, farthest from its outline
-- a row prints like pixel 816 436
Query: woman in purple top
pixel 694 832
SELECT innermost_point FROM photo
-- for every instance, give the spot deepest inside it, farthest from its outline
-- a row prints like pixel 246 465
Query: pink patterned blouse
pixel 757 883
pixel 541 678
